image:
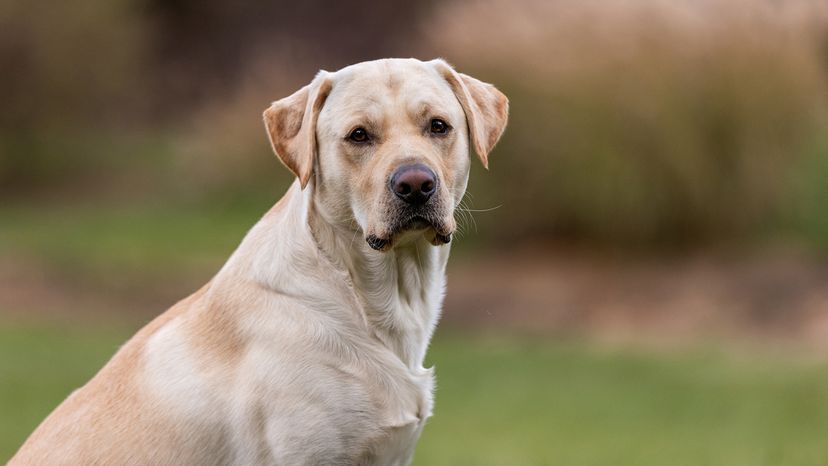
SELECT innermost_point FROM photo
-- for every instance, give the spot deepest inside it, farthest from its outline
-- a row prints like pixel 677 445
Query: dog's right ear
pixel 291 126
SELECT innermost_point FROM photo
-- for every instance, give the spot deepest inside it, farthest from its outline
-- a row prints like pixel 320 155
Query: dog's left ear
pixel 486 108
pixel 291 126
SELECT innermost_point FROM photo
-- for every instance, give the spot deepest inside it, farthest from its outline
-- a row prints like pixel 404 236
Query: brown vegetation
pixel 646 121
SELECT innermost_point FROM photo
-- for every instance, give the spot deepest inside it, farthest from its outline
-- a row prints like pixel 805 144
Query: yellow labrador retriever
pixel 307 347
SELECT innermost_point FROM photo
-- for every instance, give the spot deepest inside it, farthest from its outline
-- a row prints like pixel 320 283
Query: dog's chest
pixel 396 446
pixel 323 413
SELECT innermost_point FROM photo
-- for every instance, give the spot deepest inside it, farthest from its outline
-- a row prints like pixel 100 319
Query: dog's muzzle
pixel 413 206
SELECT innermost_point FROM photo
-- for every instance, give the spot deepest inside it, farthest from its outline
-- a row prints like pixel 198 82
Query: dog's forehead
pixel 376 84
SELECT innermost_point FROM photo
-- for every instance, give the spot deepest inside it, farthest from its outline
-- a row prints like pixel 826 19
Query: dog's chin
pixel 435 232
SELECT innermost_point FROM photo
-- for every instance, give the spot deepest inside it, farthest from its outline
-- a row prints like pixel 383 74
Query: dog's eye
pixel 358 135
pixel 439 126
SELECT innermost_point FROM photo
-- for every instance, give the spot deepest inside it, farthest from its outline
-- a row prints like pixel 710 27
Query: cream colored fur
pixel 307 347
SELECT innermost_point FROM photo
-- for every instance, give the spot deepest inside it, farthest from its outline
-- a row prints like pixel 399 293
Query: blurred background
pixel 644 279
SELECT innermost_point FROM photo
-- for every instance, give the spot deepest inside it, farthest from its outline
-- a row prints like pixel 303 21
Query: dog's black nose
pixel 413 184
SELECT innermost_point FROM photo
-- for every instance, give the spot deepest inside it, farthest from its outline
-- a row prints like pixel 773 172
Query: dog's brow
pixel 424 110
pixel 362 119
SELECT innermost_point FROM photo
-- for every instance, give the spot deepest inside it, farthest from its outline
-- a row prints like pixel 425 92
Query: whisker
pixel 356 232
pixel 466 213
pixel 482 210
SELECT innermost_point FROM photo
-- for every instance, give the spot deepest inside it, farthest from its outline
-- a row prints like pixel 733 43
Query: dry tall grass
pixel 643 121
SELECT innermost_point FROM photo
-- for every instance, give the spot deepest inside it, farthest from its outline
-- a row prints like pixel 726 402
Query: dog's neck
pixel 399 293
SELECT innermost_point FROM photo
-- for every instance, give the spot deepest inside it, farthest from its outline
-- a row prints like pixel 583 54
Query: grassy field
pixel 500 401
pixel 143 238
pixel 510 401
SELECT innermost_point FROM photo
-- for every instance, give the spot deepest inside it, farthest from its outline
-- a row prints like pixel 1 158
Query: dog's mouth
pixel 417 222
pixel 434 229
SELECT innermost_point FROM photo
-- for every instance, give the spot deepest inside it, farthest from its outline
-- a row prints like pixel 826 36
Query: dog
pixel 307 347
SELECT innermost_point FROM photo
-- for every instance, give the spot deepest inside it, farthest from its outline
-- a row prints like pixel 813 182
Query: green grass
pixel 523 402
pixel 40 366
pixel 530 403
pixel 93 241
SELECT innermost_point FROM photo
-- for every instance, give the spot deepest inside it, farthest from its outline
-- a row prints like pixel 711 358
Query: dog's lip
pixel 417 222
pixel 437 236
pixel 377 243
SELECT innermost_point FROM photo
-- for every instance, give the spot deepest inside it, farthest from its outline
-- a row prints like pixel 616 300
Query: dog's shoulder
pixel 87 426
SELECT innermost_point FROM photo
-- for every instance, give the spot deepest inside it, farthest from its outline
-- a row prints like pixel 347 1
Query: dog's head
pixel 387 145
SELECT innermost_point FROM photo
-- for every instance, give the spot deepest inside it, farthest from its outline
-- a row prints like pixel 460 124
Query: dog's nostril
pixel 403 188
pixel 427 187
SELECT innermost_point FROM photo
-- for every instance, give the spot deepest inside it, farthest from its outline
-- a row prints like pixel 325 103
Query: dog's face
pixel 387 145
